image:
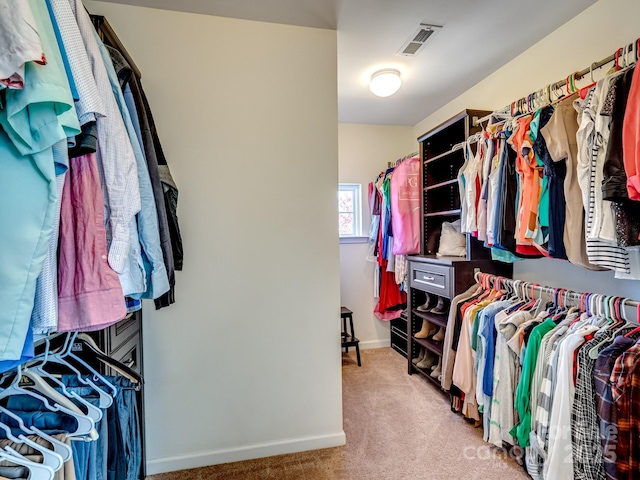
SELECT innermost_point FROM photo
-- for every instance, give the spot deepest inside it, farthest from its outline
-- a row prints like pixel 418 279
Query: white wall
pixel 363 152
pixel 591 36
pixel 247 362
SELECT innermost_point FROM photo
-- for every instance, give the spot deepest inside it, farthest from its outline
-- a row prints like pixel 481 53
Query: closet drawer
pixel 122 331
pixel 129 353
pixel 431 278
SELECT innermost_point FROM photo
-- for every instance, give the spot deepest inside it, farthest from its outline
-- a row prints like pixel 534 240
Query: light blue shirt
pixel 35 118
pixel 145 253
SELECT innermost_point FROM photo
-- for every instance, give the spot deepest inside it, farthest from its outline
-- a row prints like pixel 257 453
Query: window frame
pixel 356 190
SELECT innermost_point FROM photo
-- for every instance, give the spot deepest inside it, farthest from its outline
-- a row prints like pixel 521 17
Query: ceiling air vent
pixel 418 39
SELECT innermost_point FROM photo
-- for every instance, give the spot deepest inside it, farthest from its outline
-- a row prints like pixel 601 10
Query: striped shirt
pixel 592 136
pixel 585 437
pixel 116 160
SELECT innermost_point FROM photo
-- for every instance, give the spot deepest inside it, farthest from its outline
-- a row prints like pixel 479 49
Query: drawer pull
pixel 429 279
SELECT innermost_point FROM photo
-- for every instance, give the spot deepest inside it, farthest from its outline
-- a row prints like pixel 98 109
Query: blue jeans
pixel 89 458
pixel 122 436
pixel 126 425
pixel 115 455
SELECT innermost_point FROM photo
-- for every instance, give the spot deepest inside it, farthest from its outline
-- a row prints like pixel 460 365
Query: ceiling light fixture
pixel 385 83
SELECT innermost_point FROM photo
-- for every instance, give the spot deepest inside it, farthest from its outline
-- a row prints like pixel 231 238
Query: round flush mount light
pixel 385 83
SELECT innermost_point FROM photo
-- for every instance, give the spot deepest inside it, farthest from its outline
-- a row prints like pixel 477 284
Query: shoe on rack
pixel 426 306
pixel 429 359
pixel 441 307
pixel 437 371
pixel 439 336
pixel 427 329
pixel 420 356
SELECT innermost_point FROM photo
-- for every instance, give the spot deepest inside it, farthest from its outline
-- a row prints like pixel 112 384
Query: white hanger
pixel 49 457
pixel 57 358
pixel 85 425
pixel 92 371
pixel 59 447
pixel 92 411
pixel 37 471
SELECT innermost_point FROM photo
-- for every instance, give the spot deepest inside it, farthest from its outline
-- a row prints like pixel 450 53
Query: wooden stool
pixel 349 339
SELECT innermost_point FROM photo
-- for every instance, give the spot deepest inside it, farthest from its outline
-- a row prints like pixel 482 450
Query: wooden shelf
pixel 441 184
pixel 398 349
pixel 440 320
pixel 441 156
pixel 427 374
pixel 445 213
pixel 449 261
pixel 435 347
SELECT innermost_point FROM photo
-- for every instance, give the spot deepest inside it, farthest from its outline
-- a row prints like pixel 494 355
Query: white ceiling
pixel 478 37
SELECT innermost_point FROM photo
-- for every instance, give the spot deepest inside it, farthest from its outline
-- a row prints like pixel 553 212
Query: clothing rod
pixel 397 162
pixel 528 286
pixel 108 33
pixel 471 139
pixel 577 76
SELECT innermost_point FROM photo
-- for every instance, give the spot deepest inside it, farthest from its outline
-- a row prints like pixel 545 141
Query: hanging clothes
pixel 64 100
pixel 405 207
pixel 572 375
pixel 565 196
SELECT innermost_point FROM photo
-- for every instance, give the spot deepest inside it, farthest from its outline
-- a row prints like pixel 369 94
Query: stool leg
pixel 345 336
pixel 353 338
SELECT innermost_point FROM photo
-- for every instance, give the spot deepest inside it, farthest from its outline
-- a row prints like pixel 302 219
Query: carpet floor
pixel 397 426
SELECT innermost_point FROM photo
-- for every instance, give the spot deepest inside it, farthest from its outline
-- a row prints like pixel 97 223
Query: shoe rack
pixel 430 275
pixel 399 334
pixel 439 279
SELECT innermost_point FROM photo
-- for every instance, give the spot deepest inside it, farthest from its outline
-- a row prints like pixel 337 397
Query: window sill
pixel 349 240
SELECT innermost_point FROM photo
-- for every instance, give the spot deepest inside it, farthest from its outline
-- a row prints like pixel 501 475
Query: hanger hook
pixel 617 58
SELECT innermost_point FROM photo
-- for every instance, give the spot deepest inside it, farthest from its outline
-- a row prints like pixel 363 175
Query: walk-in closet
pixel 319 239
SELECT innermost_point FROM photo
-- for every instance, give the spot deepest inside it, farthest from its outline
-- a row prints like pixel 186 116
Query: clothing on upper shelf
pixel 570 194
pixel 66 104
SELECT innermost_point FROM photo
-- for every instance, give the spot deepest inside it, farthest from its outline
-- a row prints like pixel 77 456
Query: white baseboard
pixel 247 452
pixel 366 345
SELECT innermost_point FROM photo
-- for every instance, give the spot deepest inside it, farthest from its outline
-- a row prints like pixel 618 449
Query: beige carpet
pixel 398 427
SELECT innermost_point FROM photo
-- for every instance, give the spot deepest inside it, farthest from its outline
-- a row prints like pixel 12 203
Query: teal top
pixel 42 113
pixel 523 393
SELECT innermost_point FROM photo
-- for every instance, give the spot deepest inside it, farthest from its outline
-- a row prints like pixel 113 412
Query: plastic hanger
pixel 93 412
pixel 58 358
pixel 49 457
pixel 622 324
pixel 605 311
pixel 585 90
pixel 617 59
pixel 37 471
pixel 92 371
pixel 119 367
pixel 635 330
pixel 42 387
pixel 59 447
pixel 85 425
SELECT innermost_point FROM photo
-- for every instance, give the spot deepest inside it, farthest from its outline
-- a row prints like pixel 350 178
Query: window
pixel 349 210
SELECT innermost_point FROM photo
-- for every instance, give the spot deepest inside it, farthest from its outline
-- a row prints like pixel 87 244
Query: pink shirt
pixel 89 292
pixel 405 207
